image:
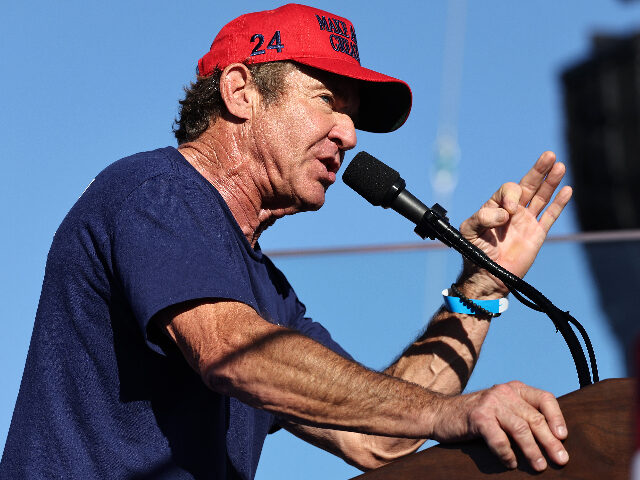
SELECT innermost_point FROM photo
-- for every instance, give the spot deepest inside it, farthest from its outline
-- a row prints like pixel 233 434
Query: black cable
pixel 526 301
pixel 587 342
pixel 435 225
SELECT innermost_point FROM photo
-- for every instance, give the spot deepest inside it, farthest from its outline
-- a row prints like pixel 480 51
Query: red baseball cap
pixel 317 39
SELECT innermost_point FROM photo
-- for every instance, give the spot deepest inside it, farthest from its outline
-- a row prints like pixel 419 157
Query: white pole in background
pixel 444 167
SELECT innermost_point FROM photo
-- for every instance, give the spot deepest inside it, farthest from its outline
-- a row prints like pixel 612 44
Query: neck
pixel 231 169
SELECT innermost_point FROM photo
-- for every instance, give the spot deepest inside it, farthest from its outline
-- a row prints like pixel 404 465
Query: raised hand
pixel 512 226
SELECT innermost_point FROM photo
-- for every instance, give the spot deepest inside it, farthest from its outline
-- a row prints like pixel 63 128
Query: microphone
pixel 382 186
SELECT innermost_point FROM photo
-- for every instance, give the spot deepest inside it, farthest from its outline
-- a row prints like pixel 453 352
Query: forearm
pixel 444 356
pixel 282 371
pixel 441 360
pixel 299 379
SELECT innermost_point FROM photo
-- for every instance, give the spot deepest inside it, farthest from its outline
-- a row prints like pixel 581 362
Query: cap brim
pixel 385 102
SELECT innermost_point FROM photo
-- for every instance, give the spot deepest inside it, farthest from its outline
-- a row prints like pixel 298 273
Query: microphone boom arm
pixel 434 224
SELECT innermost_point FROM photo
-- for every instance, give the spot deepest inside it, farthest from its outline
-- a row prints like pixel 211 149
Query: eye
pixel 327 98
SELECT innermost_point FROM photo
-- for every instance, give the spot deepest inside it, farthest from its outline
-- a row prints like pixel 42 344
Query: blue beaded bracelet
pixel 462 304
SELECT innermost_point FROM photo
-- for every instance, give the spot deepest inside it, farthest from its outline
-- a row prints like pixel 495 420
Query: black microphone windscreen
pixel 369 177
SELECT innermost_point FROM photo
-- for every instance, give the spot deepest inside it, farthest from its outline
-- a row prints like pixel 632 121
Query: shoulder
pixel 158 179
pixel 128 173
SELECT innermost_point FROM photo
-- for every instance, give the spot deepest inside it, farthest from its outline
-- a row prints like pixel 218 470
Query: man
pixel 166 345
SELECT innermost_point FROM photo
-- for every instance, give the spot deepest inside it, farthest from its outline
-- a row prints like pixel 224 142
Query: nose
pixel 343 132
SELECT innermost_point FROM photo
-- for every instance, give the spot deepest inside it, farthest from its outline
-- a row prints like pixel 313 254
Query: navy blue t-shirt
pixel 103 395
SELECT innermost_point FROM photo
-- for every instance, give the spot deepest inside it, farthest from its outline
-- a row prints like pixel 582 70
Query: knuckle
pixel 502 446
pixel 538 421
pixel 517 384
pixel 484 216
pixel 520 428
pixel 547 397
pixel 507 457
pixel 509 461
pixel 502 389
pixel 540 200
pixel 513 190
pixel 552 445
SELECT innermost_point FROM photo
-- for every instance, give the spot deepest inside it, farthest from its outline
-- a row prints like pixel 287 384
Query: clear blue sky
pixel 85 83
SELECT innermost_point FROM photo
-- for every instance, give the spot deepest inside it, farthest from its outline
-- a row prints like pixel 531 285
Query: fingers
pixel 544 193
pixel 545 424
pixel 538 186
pixel 495 213
pixel 535 177
pixel 554 210
pixel 499 443
pixel 520 429
pixel 546 403
pixel 507 197
pixel 530 431
pixel 534 192
pixel 483 219
pixel 531 417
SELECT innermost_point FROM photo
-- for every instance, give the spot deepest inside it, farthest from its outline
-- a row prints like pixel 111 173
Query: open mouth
pixel 332 164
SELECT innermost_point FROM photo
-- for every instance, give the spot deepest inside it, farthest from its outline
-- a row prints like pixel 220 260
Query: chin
pixel 313 198
pixel 310 207
pixel 312 204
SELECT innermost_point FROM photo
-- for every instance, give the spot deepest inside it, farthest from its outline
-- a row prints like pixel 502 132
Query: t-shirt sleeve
pixel 171 243
pixel 297 318
pixel 317 332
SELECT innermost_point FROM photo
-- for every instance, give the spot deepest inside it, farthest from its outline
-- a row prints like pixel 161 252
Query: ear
pixel 238 91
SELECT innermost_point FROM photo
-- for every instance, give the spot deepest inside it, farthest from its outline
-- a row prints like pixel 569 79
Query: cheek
pixel 288 132
pixel 300 125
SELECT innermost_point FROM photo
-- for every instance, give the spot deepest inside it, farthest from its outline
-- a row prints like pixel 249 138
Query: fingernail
pixel 541 463
pixel 563 456
pixel 562 431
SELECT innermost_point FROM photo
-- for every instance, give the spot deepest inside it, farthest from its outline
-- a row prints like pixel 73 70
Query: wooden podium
pixel 601 423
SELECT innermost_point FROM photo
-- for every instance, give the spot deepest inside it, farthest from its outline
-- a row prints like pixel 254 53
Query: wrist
pixel 439 405
pixel 476 282
pixel 448 422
